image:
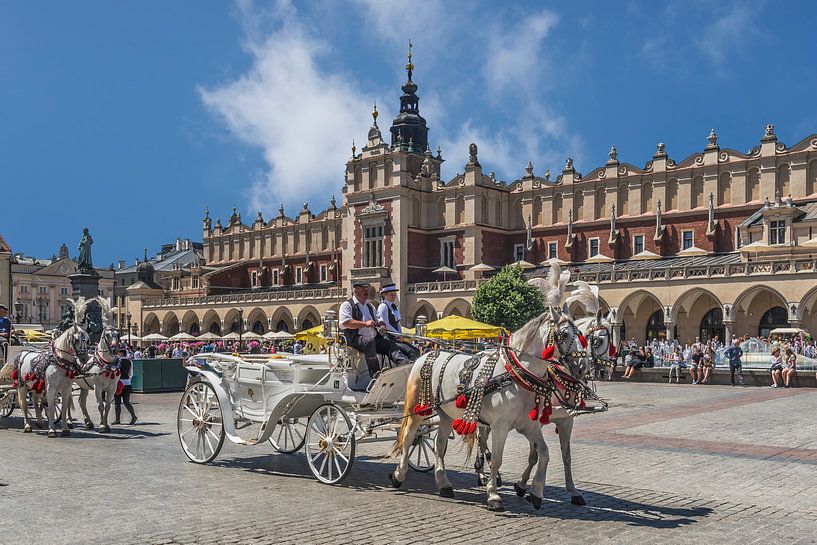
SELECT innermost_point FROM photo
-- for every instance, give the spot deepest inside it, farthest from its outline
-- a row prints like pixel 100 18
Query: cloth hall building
pixel 719 243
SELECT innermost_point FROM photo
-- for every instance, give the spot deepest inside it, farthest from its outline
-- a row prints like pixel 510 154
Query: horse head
pixel 110 338
pixel 596 328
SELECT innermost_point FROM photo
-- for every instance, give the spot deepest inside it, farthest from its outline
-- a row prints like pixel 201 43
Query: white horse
pixel 597 330
pixel 103 374
pixel 511 406
pixel 52 371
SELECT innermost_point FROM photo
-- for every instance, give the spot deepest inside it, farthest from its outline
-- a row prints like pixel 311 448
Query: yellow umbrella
pixel 459 328
pixel 312 338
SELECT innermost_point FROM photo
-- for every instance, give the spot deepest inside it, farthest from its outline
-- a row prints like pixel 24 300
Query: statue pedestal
pixel 87 285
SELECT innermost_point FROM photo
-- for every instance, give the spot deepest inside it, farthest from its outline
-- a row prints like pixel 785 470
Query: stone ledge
pixel 752 377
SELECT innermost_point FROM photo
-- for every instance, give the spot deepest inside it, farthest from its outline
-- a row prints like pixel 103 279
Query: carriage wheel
pixel 199 424
pixel 330 443
pixel 421 452
pixel 289 435
pixel 7 403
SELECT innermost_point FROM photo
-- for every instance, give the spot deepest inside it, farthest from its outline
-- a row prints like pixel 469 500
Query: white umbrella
pixel 231 336
pixel 444 270
pixel 252 335
pixel 482 267
pixel 599 258
pixel 692 251
pixel 646 254
pixel 522 264
pixel 282 335
pixel 810 243
pixel 129 338
pixel 209 336
pixel 556 260
pixel 154 337
pixel 755 247
pixel 182 336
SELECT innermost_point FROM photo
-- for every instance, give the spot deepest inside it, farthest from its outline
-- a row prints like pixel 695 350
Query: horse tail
pixel 409 402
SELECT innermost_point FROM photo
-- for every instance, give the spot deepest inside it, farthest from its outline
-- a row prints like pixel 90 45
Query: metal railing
pixel 445 286
pixel 249 297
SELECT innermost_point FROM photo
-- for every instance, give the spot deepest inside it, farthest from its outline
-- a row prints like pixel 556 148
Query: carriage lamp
pixel 330 325
pixel 421 326
pixel 128 316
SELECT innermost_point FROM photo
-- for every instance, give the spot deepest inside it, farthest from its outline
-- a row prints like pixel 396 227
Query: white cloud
pixel 300 115
pixel 725 34
pixel 513 58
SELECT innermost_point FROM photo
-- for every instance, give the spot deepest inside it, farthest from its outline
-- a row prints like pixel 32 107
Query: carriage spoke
pixel 193 414
pixel 211 434
pixel 339 453
pixel 188 431
pixel 337 465
pixel 323 463
pixel 331 463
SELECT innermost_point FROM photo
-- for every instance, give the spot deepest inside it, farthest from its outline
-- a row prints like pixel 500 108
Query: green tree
pixel 507 300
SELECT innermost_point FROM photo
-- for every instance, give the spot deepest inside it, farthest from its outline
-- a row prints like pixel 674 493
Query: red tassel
pixel 461 402
pixel 545 418
pixel 420 409
pixel 41 385
pixel 119 388
pixel 534 414
pixel 547 353
pixel 613 351
pixel 583 341
pixel 15 374
pixel 471 428
pixel 582 405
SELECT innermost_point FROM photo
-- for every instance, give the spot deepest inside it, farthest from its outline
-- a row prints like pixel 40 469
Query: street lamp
pixel 18 308
pixel 128 316
pixel 240 327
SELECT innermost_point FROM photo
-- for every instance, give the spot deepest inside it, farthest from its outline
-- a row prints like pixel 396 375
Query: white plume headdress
pixel 587 296
pixel 554 286
pixel 80 308
pixel 107 313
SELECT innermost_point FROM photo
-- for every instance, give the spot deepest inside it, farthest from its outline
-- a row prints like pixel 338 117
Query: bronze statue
pixel 84 262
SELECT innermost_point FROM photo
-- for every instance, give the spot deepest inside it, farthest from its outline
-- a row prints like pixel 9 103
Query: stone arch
pixel 557 215
pixel 458 307
pixel 751 305
pixel 724 188
pixel 190 321
pixel 600 205
pixel 170 324
pixel 635 310
pixel 211 323
pixel 308 317
pixel 282 320
pixel 807 311
pixel 696 197
pixel 256 321
pixel 231 322
pixel 423 308
pixel 783 181
pixel 772 319
pixel 753 185
pixel 689 309
pixel 647 206
pixel 811 178
pixel 459 210
pixel 672 195
pixel 150 324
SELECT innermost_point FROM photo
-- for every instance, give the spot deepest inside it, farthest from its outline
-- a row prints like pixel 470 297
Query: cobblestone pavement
pixel 666 464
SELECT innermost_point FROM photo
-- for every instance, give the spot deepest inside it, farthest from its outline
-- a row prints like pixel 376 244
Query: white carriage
pixel 325 404
pixel 8 394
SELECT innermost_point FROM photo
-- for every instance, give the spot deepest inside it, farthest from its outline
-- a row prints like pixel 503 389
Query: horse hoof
pixel 70 425
pixel 104 429
pixel 394 482
pixel 578 500
pixel 27 429
pixel 52 434
pixel 535 501
pixel 66 433
pixel 89 426
pixel 495 506
pixel 520 490
pixel 446 492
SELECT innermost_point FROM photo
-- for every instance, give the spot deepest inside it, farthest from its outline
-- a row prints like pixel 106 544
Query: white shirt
pixel 345 314
pixel 383 315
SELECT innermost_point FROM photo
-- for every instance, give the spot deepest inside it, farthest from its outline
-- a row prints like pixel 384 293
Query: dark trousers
pixel 367 346
pixel 398 352
pixel 124 397
pixel 735 369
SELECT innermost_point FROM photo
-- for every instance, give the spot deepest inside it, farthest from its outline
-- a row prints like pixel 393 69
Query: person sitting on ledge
pixel 634 361
pixel 789 368
pixel 777 366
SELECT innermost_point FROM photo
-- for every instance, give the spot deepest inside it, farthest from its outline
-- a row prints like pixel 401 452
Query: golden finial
pixel 409 66
pixel 374 111
pixel 354 148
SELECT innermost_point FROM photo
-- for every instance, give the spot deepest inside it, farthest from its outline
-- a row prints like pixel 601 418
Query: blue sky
pixel 130 118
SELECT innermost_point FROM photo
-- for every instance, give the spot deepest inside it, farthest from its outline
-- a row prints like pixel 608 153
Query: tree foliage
pixel 507 300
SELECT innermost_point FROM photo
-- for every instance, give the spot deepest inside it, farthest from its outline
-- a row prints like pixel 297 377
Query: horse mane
pixel 80 309
pixel 523 336
pixel 587 296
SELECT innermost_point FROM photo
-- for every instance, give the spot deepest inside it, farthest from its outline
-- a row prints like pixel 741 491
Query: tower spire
pixel 409 65
pixel 409 125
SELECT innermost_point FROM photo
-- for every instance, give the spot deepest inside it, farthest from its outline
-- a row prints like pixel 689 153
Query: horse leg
pixel 102 405
pixel 37 399
pixel 65 390
pixel 398 476
pixel 565 428
pixel 538 446
pixel 440 446
pixel 521 486
pixel 23 405
pixel 498 438
pixel 51 399
pixel 83 405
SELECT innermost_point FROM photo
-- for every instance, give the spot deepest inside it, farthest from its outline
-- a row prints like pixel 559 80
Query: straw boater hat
pixel 388 288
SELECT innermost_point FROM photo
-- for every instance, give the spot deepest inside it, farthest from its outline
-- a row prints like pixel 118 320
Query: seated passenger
pixel 389 314
pixel 356 319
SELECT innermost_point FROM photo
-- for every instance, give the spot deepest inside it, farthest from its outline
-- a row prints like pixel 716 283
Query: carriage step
pixel 241 423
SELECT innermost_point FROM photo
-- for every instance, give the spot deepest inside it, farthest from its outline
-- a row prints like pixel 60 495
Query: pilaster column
pixel 670 330
pixel 728 331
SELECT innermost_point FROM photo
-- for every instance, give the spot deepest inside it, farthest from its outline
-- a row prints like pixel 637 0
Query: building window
pixel 777 232
pixel 373 246
pixel 518 252
pixel 63 292
pixel 276 277
pixel 43 290
pixel 324 274
pixel 594 247
pixel 299 275
pixel 254 279
pixel 638 244
pixel 176 283
pixel 447 252
pixel 553 250
pixel 687 241
pixel 194 282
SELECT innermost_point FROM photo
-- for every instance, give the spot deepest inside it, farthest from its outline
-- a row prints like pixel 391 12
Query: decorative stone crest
pixel 712 140
pixel 472 155
pixel 613 153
